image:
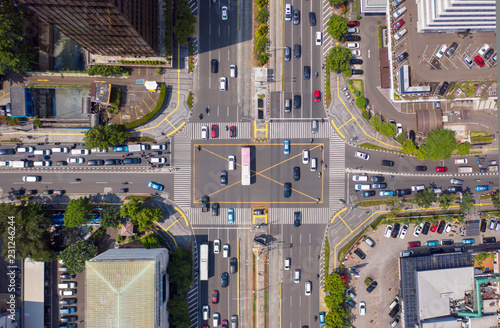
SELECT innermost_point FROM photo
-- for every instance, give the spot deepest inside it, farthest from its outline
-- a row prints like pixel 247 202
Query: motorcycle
pixel 227 128
pixel 316 75
pixel 320 148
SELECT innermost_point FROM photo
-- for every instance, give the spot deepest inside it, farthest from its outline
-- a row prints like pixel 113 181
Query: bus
pixel 245 166
pixel 204 261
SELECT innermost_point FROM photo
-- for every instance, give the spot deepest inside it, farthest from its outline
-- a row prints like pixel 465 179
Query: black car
pixel 387 162
pixel 402 57
pixel 215 209
pixel 297 218
pixel 421 168
pixel 307 72
pixel 350 37
pixel 369 193
pixel 377 179
pixel 372 286
pixel 360 253
pixel 113 162
pixel 425 229
pixel 121 191
pixel 484 223
pixel 488 54
pixel 296 102
pixel 452 49
pixel 447 242
pixel 489 240
pixel 223 178
pixel 395 230
pixel 412 135
pixel 444 88
pixel 357 72
pixel 6 151
pixel 455 189
pixel 441 227
pixel 131 161
pixel 258 212
pixel 312 19
pixel 297 50
pixel 95 162
pixel 215 66
pixel 288 189
pixel 437 250
pixel 296 173
pixel 394 311
pixel 355 61
pixel 296 17
pixel 233 265
pixel 402 192
pixel 224 279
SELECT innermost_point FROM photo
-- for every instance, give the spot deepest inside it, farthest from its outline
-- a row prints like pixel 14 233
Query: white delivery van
pixel 158 147
pixel 232 71
pixel 80 152
pixel 362 186
pixel 158 160
pixel 43 152
pixel 25 149
pixel 63 286
pixel 68 292
pixel 60 150
pixel 314 164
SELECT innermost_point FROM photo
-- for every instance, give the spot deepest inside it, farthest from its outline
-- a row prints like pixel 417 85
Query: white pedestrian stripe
pixel 336 172
pixel 182 162
pixel 298 130
pixel 242 216
pixel 243 130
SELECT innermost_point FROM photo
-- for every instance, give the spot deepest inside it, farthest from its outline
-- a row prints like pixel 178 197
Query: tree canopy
pixel 337 315
pixel 28 229
pixel 77 213
pixel 409 147
pixel 338 59
pixel 337 27
pixel 440 144
pixel 425 198
pixel 74 256
pixel 15 54
pixel 178 312
pixel 467 202
pixel 376 122
pixel 388 129
pixel 140 215
pixel 361 102
pixel 184 22
pixel 110 217
pixel 103 137
pixel 445 200
pixel 464 148
pixel 495 198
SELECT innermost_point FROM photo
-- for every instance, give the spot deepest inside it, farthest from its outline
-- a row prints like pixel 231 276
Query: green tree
pixel 103 137
pixel 31 238
pixel 338 59
pixel 445 201
pixel 388 129
pixel 336 317
pixel 150 241
pixel 74 256
pixel 37 123
pixel 496 200
pixel 401 137
pixel 178 311
pixel 336 2
pixel 425 198
pixel 332 300
pixel 467 202
pixel 361 102
pixel 376 122
pixel 334 284
pixel 440 144
pixel 184 22
pixel 421 154
pixel 262 15
pixel 180 270
pixel 105 70
pixel 394 204
pixel 15 53
pixel 464 148
pixel 77 213
pixel 140 215
pixel 409 147
pixel 337 27
pixel 110 217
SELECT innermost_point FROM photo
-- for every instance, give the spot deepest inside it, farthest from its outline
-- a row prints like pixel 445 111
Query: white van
pixel 287 263
pixel 72 284
pixel 359 178
pixel 159 147
pixel 314 164
pixel 204 132
pixel 25 149
pixel 63 286
pixel 31 178
pixel 80 152
pixel 288 12
pixel 4 163
pixel 362 186
pixel 225 251
pixel 63 269
pixel 319 38
pixel 97 150
pixel 43 152
pixel 296 276
pixel 461 161
pixel 158 160
pixel 399 12
pixel 417 187
pixel 42 163
pixel 232 71
pixel 60 150
pixel 456 181
pixel 68 292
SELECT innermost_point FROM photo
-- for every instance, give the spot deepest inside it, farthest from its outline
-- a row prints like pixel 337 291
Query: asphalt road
pixel 293 71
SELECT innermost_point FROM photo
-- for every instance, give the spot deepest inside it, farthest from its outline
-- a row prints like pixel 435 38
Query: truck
pixel 204 261
pixel 493 168
pixel 138 147
pixel 18 164
pixel 205 203
pixel 67 310
pixel 464 169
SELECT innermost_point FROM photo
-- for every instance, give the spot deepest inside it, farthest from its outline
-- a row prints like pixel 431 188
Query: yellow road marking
pixel 338 213
pixel 340 127
pixel 338 131
pixel 345 223
pixel 166 230
pixel 183 215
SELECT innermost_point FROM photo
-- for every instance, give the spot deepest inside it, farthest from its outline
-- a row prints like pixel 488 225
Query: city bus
pixel 245 166
pixel 204 261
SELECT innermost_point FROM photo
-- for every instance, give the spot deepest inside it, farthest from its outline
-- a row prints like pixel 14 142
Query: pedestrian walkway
pixel 298 130
pixel 243 130
pixel 182 162
pixel 193 296
pixel 336 172
pixel 310 215
pixel 242 216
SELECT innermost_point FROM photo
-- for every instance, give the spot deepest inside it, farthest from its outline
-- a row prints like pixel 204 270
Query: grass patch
pixel 368 145
pixel 327 256
pixel 478 140
pixel 190 100
pixel 357 85
pixel 140 139
pixel 328 95
pixel 16 140
pixel 116 94
pixel 343 251
pixel 143 62
pixel 371 203
pixel 57 86
pixel 478 134
pixel 265 302
pixel 147 117
pixel 140 198
pixel 355 6
pixel 191 57
pixel 378 221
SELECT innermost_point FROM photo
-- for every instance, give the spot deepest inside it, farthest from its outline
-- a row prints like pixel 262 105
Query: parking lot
pixel 382 265
pixel 78 296
pixel 423 47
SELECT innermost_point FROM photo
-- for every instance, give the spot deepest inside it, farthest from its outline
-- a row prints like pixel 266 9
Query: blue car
pixel 482 188
pixel 322 318
pixel 120 149
pixel 468 241
pixel 286 147
pixel 156 186
pixel 230 215
pixel 386 193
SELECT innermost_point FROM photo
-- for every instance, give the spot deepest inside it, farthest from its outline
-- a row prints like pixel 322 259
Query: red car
pixel 317 97
pixel 224 324
pixel 434 227
pixel 352 23
pixel 479 61
pixel 232 131
pixel 214 130
pixel 414 244
pixel 441 169
pixel 215 297
pixel 398 24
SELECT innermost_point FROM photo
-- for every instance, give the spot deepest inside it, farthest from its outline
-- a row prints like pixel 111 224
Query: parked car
pixel 402 57
pixel 351 37
pixel 479 61
pixel 360 253
pixel 388 231
pixel 398 24
pixel 395 230
pixel 444 88
pixel 489 240
pixel 426 227
pixel 352 23
pixel 372 286
pixel 468 61
pixel 483 225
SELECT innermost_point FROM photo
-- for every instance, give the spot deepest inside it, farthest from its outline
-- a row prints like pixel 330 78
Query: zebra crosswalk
pixel 310 215
pixel 336 172
pixel 242 216
pixel 298 130
pixel 182 162
pixel 243 130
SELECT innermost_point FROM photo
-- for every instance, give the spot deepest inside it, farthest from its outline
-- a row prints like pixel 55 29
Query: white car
pixel 76 160
pixel 223 84
pixel 461 161
pixel 356 53
pixel 319 38
pixel 352 45
pixel 305 156
pixel 225 251
pixel 224 13
pixel 362 155
pixel 204 132
pixel 216 246
pixel 441 51
pixel 80 152
pixel 308 288
pixel 448 228
pixel 359 178
pixel 206 312
pixel 288 12
pixel 287 263
pixel 418 229
pixel 388 231
pixel 400 128
pixel 400 34
pixel 362 308
pixel 216 319
pixel 231 163
pixel 483 49
pixel 402 233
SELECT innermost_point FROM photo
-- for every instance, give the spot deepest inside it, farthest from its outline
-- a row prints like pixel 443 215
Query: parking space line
pixel 423 54
pixel 392 266
pixel 396 283
pixel 395 272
